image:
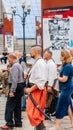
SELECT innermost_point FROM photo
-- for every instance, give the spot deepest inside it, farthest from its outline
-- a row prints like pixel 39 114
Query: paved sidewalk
pixel 26 124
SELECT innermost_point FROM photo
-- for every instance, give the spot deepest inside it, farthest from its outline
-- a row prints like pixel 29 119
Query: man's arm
pixel 29 90
pixel 14 76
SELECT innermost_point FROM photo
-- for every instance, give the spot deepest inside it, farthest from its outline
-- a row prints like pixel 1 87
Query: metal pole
pixel 24 50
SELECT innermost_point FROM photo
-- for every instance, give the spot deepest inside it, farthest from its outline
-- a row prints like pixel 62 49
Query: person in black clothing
pixel 5 57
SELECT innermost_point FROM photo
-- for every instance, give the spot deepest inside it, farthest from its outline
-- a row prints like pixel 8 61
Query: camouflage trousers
pixel 4 87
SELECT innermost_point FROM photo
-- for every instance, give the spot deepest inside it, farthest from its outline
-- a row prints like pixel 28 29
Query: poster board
pixel 8 31
pixel 58 30
pixel 9 42
pixel 38 30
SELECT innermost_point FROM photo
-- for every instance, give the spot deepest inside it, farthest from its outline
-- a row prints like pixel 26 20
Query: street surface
pixel 26 125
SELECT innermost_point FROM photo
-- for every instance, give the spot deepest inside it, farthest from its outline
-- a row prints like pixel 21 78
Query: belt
pixel 17 83
pixel 29 85
pixel 20 83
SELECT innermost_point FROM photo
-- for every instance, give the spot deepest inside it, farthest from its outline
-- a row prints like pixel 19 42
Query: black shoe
pixel 17 125
pixel 41 126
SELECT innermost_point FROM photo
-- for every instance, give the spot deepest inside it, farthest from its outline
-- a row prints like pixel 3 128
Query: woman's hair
pixel 66 55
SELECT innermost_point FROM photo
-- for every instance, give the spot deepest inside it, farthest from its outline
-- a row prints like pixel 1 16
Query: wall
pixel 55 3
pixel 18 44
pixel 0 9
pixel 1 43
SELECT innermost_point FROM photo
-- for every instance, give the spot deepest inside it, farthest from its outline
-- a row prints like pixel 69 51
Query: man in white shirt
pixel 52 75
pixel 71 52
pixel 37 79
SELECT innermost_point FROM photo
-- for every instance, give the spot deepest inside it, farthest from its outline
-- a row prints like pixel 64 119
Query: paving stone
pixel 26 124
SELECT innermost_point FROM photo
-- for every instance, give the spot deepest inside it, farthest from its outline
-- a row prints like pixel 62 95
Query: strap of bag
pixel 33 66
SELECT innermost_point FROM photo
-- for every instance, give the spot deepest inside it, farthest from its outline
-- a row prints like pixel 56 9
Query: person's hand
pixel 27 90
pixel 58 76
pixel 26 76
pixel 11 94
pixel 3 70
pixel 49 89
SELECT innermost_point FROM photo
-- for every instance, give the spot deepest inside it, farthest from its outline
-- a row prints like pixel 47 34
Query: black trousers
pixel 13 107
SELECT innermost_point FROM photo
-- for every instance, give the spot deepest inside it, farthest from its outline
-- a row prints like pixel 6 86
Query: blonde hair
pixel 66 55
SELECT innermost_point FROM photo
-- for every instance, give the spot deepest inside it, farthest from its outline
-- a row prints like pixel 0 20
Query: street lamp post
pixel 26 11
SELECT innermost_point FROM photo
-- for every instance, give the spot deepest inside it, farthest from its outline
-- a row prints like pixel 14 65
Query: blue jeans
pixel 24 103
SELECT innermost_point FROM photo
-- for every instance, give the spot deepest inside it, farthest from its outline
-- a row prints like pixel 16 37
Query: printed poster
pixel 58 31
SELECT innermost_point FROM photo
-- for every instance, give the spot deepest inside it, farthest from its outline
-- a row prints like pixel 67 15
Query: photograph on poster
pixel 59 33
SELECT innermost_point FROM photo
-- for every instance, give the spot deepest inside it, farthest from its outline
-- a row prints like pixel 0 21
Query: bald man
pixel 52 76
pixel 37 80
pixel 71 52
pixel 16 91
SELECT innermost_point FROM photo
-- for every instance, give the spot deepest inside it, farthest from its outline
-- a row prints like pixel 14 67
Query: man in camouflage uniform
pixel 4 80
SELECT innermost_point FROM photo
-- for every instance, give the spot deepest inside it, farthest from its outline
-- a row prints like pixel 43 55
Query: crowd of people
pixel 39 84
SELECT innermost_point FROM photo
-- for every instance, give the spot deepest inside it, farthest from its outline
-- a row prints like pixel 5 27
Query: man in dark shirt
pixel 16 91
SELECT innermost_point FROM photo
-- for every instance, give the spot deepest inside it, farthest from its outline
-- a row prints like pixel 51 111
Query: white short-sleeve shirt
pixel 52 72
